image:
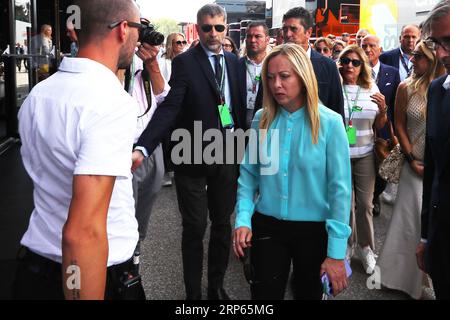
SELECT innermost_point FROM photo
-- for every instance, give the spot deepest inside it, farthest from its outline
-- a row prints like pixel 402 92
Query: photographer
pixel 146 84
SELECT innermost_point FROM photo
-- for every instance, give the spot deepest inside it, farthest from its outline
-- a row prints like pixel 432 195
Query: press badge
pixel 351 134
pixel 225 116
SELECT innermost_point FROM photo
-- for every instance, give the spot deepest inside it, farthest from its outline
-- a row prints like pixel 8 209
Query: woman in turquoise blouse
pixel 293 202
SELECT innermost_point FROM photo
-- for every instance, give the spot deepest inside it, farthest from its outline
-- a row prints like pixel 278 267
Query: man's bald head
pixel 371 46
pixel 372 38
pixel 97 15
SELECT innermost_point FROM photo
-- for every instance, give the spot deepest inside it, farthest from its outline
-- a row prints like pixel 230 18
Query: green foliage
pixel 166 26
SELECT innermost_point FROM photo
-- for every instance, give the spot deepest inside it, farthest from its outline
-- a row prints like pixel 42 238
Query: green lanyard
pixel 352 109
pixel 221 86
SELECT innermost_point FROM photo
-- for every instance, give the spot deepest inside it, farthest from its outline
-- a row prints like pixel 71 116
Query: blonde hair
pixel 170 54
pixel 304 69
pixel 436 69
pixel 420 84
pixel 327 41
pixel 365 76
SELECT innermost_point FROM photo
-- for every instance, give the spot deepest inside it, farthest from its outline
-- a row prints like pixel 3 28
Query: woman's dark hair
pixel 233 44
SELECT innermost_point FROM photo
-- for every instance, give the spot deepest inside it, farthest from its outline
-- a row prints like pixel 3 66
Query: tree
pixel 166 26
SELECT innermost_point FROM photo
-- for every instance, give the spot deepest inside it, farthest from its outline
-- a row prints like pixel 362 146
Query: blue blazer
pixel 391 58
pixel 388 80
pixel 436 183
pixel 193 96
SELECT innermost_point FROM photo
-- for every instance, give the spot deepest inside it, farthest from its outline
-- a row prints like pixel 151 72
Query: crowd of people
pixel 91 142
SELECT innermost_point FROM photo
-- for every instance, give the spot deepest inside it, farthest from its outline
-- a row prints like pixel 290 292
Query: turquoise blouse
pixel 299 180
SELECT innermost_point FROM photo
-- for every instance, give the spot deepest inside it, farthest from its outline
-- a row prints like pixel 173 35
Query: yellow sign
pixel 380 17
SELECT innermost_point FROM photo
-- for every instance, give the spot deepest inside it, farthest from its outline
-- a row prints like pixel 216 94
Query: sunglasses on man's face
pixel 346 61
pixel 184 42
pixel 209 27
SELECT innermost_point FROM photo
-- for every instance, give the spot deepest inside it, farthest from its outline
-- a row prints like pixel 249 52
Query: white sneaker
pixel 368 259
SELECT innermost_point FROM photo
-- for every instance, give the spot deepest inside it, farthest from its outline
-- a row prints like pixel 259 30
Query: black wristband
pixel 409 157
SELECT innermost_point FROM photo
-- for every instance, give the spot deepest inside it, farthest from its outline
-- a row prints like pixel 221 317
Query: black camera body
pixel 151 36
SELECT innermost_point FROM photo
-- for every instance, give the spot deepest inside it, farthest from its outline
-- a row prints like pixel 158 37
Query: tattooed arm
pixel 85 242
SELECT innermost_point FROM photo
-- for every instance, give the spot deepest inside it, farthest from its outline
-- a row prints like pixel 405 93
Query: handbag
pixel 390 168
pixel 383 147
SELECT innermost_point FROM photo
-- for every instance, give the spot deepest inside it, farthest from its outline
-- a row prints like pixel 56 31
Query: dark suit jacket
pixel 242 79
pixel 391 58
pixel 388 81
pixel 193 97
pixel 436 183
pixel 329 82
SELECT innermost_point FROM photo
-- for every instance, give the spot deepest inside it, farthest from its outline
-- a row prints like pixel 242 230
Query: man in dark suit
pixel 203 81
pixel 387 79
pixel 256 40
pixel 433 252
pixel 297 28
pixel 399 57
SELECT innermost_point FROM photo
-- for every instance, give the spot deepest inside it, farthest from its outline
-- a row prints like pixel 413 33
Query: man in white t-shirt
pixel 77 130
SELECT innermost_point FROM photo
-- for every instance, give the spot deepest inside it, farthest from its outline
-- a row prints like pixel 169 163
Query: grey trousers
pixel 147 181
pixel 363 183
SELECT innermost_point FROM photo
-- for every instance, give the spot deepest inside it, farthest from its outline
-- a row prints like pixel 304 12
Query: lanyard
pixel 221 86
pixel 353 108
pixel 255 78
pixel 405 65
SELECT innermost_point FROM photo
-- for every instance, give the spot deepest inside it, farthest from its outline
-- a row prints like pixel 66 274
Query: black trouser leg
pixel 275 244
pixel 38 278
pixel 192 203
pixel 222 188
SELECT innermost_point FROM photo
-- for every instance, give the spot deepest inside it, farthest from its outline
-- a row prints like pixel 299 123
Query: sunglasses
pixel 184 42
pixel 130 24
pixel 434 44
pixel 209 27
pixel 417 55
pixel 345 61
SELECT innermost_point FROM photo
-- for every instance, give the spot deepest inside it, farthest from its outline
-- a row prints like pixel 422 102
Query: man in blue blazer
pixel 250 67
pixel 399 57
pixel 203 81
pixel 387 79
pixel 433 252
pixel 297 28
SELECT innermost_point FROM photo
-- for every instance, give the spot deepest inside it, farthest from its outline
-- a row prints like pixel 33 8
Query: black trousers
pixel 275 245
pixel 38 278
pixel 214 193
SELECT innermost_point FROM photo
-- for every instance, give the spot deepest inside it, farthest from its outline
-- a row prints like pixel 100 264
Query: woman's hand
pixel 335 269
pixel 417 167
pixel 241 239
pixel 379 99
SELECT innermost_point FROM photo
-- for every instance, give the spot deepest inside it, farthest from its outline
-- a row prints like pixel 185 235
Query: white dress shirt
pixel 80 121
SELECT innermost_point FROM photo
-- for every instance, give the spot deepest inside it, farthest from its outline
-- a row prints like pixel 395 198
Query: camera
pixel 151 36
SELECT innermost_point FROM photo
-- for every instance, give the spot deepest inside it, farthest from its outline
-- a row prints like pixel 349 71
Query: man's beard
pixel 125 56
pixel 214 47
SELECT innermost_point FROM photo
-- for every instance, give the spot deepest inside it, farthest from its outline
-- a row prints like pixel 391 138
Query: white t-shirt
pixel 80 121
